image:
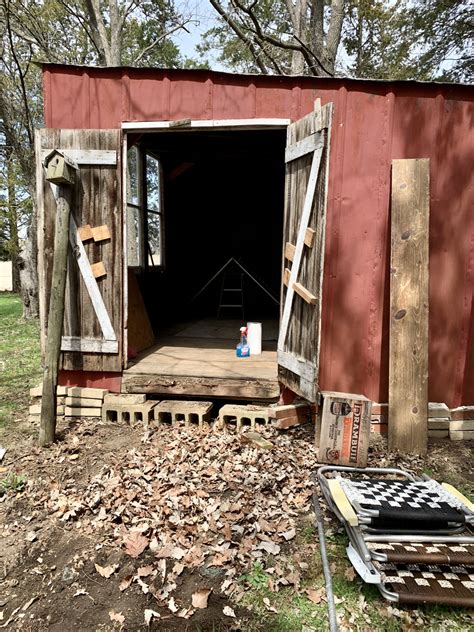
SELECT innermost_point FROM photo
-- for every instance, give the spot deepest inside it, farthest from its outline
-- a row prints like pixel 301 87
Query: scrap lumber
pixel 408 358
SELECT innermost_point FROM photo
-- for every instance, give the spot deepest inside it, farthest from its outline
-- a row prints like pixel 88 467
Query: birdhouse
pixel 60 169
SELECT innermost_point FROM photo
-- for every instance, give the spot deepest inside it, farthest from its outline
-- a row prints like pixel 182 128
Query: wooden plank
pixel 85 232
pixel 225 388
pixel 286 276
pixel 304 293
pixel 87 156
pixel 303 225
pixel 100 233
pixel 98 269
pixel 309 237
pixel 88 345
pixel 302 147
pixel 140 331
pixel 289 251
pixel 408 362
pixel 254 123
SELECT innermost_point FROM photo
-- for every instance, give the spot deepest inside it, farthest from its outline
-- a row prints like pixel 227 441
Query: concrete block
pixel 438 424
pixel 467 424
pixel 90 393
pixel 129 413
pixel 440 434
pixel 83 402
pixel 462 412
pixel 172 411
pixel 461 435
pixel 69 411
pixel 113 398
pixel 37 391
pixel 437 410
pixel 243 415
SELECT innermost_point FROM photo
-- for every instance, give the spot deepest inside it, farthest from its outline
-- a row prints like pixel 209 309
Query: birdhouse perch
pixel 60 169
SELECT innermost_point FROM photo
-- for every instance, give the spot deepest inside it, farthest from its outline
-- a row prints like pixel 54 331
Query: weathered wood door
pixel 307 167
pixel 93 320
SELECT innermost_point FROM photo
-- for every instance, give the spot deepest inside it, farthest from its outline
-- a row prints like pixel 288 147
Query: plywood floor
pixel 207 349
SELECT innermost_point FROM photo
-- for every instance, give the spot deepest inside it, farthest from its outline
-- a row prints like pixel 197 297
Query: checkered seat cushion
pixel 425 553
pixel 394 500
pixel 436 583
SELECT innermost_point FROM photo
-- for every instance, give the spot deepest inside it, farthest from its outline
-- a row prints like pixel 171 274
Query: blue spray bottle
pixel 243 350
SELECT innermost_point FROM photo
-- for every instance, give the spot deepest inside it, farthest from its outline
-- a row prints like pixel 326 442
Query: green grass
pixel 19 359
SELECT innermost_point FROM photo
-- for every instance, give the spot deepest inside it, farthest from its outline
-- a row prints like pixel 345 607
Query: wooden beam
pixel 303 147
pixel 47 431
pixel 87 156
pixel 304 293
pixel 289 251
pixel 308 240
pixel 85 232
pixel 286 276
pixel 408 363
pixel 98 269
pixel 309 237
pixel 100 233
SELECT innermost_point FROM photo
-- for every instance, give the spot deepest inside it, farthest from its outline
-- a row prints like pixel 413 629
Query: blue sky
pixel 204 16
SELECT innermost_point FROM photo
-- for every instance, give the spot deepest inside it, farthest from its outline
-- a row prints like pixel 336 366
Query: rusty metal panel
pixel 373 123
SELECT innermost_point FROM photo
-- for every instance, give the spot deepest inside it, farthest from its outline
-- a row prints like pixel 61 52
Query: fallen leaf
pixel 200 597
pixel 172 606
pixel 106 571
pixel 149 614
pixel 116 616
pixel 135 543
pixel 350 574
pixel 144 571
pixel 315 596
pixel 289 535
pixel 125 583
pixel 269 547
pixel 228 611
pixel 268 605
pixel 145 588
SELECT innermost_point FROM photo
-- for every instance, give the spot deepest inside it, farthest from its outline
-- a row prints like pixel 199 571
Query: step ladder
pixel 232 294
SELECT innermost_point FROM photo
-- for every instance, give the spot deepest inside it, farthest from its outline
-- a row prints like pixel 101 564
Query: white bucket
pixel 254 338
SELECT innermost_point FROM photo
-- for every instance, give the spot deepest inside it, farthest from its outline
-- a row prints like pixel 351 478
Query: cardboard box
pixel 343 434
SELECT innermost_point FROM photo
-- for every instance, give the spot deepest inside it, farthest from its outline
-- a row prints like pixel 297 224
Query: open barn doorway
pixel 204 236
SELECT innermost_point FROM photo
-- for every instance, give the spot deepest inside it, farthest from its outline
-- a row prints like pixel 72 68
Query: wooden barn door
pixel 307 164
pixel 93 320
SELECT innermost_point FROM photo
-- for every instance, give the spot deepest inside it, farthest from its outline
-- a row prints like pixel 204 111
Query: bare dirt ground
pixel 117 528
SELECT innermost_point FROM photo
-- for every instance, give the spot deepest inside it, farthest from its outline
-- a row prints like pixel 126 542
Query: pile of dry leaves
pixel 183 500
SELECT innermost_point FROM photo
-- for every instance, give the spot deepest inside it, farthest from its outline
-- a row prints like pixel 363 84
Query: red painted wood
pixel 91 379
pixel 374 122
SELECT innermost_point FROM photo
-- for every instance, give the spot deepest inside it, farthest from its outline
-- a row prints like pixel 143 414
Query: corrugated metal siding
pixel 374 122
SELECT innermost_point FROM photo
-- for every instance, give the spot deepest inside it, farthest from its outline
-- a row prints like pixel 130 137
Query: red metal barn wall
pixel 374 122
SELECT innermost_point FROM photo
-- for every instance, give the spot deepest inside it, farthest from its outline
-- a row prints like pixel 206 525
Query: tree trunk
pixel 28 266
pixel 14 246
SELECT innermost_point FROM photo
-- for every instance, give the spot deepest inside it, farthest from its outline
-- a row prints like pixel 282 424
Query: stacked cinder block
pixel 35 402
pixel 84 402
pixel 172 411
pixel 242 416
pixel 379 419
pixel 128 409
pixel 439 417
pixel 461 426
pixel 287 416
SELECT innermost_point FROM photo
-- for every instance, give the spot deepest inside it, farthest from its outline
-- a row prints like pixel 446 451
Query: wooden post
pixel 408 365
pixel 47 430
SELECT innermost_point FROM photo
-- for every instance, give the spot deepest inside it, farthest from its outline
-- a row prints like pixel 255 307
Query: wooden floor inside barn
pixel 198 359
